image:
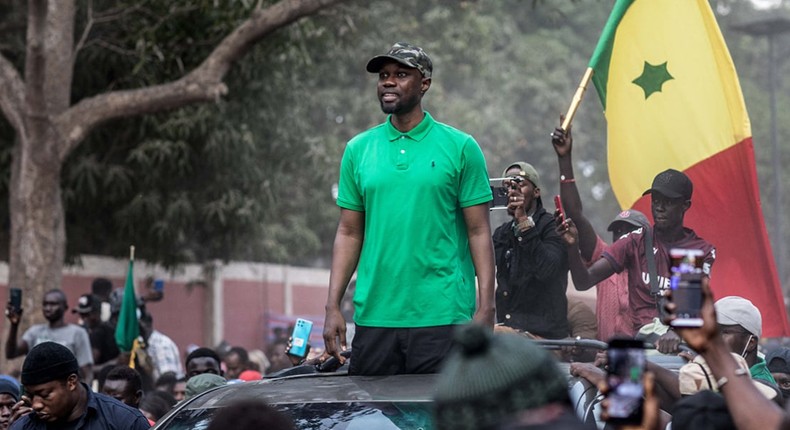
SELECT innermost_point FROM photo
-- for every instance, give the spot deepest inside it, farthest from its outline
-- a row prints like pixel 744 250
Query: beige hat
pixel 696 376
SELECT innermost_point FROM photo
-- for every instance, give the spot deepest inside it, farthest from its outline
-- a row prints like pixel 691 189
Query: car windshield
pixel 336 416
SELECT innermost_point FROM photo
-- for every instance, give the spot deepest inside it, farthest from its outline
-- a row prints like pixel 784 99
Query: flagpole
pixel 131 253
pixel 577 98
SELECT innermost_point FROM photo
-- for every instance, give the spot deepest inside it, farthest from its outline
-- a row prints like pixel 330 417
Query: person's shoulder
pixel 115 410
pixel 451 130
pixel 26 422
pixel 366 135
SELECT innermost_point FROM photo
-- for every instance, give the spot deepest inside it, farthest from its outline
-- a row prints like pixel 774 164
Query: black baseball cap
pixel 87 304
pixel 673 184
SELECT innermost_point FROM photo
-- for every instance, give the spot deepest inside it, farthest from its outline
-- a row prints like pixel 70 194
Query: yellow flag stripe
pixel 694 115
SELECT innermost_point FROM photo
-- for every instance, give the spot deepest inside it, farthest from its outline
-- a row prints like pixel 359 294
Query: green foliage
pixel 249 177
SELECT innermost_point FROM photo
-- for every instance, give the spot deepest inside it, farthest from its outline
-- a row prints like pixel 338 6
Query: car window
pixel 334 416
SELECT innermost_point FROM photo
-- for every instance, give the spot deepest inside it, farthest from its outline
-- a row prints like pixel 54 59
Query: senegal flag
pixel 672 100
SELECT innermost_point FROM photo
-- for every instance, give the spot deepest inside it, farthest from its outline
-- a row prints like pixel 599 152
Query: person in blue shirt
pixel 56 399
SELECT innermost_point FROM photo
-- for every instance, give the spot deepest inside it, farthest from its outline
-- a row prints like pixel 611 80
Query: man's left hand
pixel 668 343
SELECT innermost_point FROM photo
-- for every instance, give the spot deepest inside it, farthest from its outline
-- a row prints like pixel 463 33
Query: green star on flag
pixel 652 78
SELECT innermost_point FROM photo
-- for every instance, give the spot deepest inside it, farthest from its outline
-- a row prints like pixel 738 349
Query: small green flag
pixel 127 329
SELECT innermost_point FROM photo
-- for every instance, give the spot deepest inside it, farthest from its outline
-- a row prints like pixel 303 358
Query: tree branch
pixel 12 94
pixel 202 84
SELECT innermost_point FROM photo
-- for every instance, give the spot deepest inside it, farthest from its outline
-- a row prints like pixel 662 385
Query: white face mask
pixel 743 354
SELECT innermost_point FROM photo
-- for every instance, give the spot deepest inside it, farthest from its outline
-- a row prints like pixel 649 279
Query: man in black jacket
pixel 531 261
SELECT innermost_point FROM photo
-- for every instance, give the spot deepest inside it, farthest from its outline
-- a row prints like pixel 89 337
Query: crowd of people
pixel 414 198
pixel 71 373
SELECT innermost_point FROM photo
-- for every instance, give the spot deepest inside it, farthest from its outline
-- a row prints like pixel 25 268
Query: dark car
pixel 339 401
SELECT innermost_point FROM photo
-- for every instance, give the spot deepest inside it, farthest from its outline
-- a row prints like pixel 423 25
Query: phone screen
pixel 15 298
pixel 500 197
pixel 624 377
pixel 686 285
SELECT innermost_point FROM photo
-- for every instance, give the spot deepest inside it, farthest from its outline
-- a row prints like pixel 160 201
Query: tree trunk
pixel 48 128
pixel 38 238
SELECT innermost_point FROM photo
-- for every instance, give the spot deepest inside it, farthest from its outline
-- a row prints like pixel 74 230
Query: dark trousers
pixel 390 351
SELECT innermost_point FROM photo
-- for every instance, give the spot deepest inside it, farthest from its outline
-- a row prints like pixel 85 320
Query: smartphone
pixel 15 298
pixel 300 337
pixel 686 286
pixel 558 205
pixel 500 193
pixel 624 378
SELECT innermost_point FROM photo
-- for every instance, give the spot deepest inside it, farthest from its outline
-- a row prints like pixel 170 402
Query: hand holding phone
pixel 686 286
pixel 300 337
pixel 14 308
pixel 558 205
pixel 624 379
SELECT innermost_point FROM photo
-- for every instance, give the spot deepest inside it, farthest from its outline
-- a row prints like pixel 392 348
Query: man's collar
pixel 417 133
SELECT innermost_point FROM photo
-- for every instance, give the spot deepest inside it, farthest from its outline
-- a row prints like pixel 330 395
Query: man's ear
pixel 752 344
pixel 536 193
pixel 72 382
pixel 686 205
pixel 425 85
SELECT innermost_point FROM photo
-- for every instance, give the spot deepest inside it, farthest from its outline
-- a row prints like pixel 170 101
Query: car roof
pixel 318 388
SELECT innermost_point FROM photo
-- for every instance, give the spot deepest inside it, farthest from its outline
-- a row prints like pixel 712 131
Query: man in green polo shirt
pixel 413 196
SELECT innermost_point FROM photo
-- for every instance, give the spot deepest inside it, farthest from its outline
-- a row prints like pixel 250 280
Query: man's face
pixel 529 191
pixel 180 391
pixel 53 306
pixel 122 391
pixel 400 88
pixel 91 319
pixel 668 213
pixel 736 337
pixel 55 400
pixel 233 365
pixel 6 403
pixel 199 365
pixel 783 380
pixel 620 229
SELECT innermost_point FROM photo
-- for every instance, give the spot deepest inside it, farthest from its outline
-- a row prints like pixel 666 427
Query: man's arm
pixel 571 201
pixel 583 278
pixel 748 407
pixel 345 256
pixel 478 230
pixel 13 348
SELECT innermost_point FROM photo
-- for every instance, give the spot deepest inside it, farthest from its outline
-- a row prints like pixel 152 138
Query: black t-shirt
pixel 102 337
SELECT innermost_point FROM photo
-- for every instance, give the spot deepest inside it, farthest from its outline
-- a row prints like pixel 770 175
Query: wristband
pixel 738 372
pixel 564 180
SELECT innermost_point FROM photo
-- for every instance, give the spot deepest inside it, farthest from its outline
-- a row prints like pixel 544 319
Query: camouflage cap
pixel 406 54
pixel 526 170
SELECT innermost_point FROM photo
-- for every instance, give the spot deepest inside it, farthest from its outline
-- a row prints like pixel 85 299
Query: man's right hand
pixel 568 232
pixel 562 140
pixel 13 314
pixel 334 333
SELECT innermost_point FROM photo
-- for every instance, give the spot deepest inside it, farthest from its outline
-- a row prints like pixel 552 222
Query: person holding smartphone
pixel 612 308
pixel 532 268
pixel 670 193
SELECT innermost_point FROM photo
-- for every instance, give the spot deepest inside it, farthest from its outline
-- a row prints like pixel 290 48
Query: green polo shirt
pixel 415 269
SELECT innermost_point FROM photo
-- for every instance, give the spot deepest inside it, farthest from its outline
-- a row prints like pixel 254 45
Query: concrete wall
pixel 250 299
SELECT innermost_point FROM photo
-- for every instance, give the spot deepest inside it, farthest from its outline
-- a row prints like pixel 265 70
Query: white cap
pixel 734 310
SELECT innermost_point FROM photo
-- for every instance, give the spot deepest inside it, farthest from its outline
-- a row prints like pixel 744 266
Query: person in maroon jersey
pixel 670 199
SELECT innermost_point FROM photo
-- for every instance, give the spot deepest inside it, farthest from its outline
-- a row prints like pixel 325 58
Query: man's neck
pixel 671 235
pixel 405 122
pixel 82 404
pixel 57 323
